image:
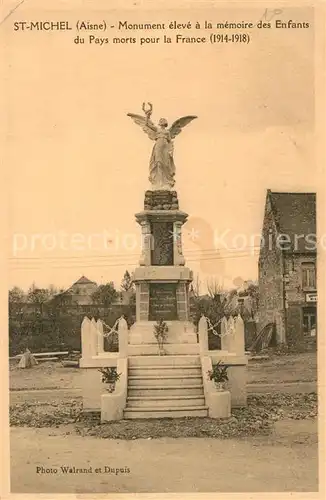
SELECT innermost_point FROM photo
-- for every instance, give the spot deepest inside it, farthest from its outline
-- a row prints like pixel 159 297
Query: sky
pixel 78 166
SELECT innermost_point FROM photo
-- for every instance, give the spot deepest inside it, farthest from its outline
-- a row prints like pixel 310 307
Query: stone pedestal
pixel 220 406
pixel 161 280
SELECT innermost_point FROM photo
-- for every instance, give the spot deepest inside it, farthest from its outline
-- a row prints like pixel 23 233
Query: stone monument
pixel 162 280
pixel 153 385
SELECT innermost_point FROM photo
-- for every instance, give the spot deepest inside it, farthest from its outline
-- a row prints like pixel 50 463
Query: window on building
pixel 309 319
pixel 309 275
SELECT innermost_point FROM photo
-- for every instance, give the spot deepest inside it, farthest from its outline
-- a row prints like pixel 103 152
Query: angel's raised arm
pixel 147 125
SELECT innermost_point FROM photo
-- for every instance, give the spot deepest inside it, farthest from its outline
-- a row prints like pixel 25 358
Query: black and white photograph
pixel 165 208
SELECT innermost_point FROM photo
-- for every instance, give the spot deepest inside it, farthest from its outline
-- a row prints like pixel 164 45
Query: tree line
pixel 42 319
pixel 104 294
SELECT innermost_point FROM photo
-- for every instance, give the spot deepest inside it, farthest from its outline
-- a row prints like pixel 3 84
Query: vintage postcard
pixel 164 222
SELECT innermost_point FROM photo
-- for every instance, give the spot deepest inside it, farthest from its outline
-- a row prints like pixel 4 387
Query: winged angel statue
pixel 161 167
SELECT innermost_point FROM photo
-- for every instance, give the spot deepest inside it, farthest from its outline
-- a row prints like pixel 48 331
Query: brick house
pixel 287 266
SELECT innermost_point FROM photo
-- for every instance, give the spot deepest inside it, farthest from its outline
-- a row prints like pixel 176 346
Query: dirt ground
pixel 285 461
pixel 279 369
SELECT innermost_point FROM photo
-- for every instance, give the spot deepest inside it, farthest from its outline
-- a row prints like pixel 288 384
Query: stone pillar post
pixel 146 237
pixel 239 336
pixel 203 335
pixel 85 347
pixel 94 336
pixel 123 337
pixel 100 337
pixel 142 301
pixel 178 257
pixel 231 334
pixel 236 336
pixel 137 300
pixel 88 339
pixel 188 300
pixel 182 304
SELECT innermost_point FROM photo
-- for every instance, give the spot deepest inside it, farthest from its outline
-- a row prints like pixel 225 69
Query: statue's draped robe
pixel 162 168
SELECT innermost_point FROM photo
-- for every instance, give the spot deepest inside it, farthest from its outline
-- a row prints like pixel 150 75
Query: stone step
pixel 166 412
pixel 181 349
pixel 165 401
pixel 182 370
pixel 172 390
pixel 164 379
pixel 163 360
pixel 173 326
pixel 177 336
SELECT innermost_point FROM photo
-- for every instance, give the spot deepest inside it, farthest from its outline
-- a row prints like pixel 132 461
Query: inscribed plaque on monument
pixel 162 302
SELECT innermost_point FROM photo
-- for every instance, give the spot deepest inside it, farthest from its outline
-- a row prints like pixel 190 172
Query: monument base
pixel 180 332
pixel 163 198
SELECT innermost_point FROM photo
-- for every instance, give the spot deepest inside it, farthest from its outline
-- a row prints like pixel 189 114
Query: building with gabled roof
pixel 80 292
pixel 84 281
pixel 287 266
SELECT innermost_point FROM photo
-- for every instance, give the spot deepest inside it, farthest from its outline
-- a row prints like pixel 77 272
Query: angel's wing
pixel 147 125
pixel 178 125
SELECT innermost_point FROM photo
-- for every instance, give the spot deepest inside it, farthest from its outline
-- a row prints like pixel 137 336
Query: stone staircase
pixel 165 386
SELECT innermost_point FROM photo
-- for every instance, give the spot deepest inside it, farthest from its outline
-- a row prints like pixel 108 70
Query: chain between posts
pixel 112 330
pixel 212 328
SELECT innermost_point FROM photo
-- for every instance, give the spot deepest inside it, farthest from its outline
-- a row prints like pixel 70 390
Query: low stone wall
pixel 112 405
pixel 219 403
pixel 232 355
pixel 93 358
pixel 92 389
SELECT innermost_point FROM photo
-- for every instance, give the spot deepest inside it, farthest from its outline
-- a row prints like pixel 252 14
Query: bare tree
pixel 195 286
pixel 214 288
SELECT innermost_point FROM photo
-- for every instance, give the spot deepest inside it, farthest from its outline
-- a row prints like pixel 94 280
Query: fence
pixel 93 336
pixel 232 334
